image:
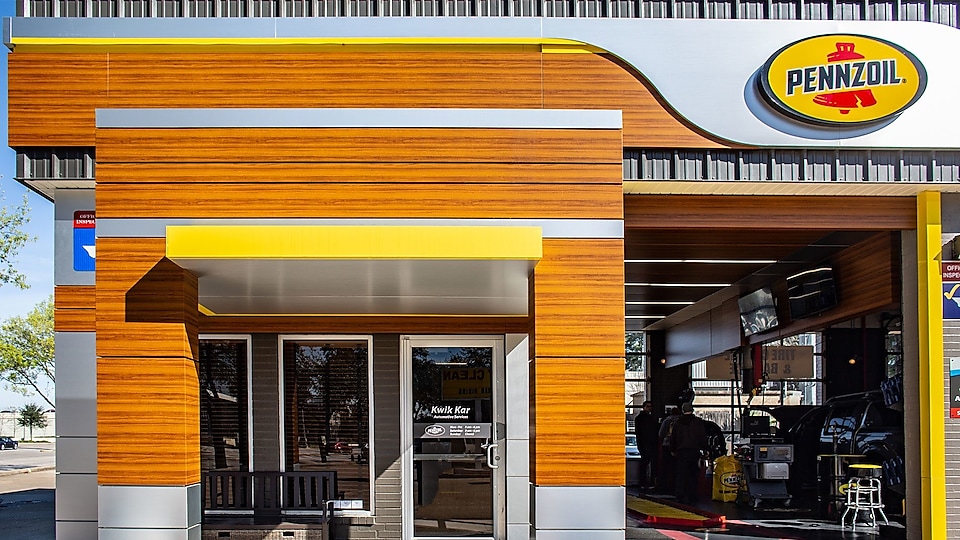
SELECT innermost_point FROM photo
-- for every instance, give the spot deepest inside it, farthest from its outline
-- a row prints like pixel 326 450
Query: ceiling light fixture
pixel 645 316
pixel 688 303
pixel 701 261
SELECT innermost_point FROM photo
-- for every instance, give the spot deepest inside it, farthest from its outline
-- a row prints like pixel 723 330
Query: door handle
pixel 491 457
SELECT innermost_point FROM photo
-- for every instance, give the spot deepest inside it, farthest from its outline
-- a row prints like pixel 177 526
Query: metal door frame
pixel 498 395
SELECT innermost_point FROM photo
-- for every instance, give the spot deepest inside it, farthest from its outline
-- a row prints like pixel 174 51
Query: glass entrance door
pixel 455 431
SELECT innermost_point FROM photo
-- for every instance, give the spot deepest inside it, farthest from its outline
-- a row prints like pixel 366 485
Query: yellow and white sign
pixel 842 79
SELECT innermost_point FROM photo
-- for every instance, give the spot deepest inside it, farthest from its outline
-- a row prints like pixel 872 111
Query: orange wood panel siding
pixel 577 375
pixel 52 98
pixel 361 173
pixel 58 111
pixel 141 299
pixel 363 145
pixel 364 325
pixel 147 390
pixel 148 421
pixel 579 298
pixel 868 280
pixel 577 403
pixel 591 81
pixel 74 308
pixel 130 185
pixel 774 212
pixel 358 201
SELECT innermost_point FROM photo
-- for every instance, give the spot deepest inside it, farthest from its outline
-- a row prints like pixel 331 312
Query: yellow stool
pixel 863 495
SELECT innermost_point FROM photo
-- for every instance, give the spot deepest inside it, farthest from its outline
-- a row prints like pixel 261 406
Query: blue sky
pixel 36 259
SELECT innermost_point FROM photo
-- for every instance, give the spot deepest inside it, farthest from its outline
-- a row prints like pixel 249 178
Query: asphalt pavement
pixel 27 488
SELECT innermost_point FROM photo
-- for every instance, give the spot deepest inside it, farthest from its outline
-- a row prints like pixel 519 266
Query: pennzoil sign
pixel 842 79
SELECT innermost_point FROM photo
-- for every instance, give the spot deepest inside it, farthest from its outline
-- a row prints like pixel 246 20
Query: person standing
pixel 665 471
pixel 647 431
pixel 688 442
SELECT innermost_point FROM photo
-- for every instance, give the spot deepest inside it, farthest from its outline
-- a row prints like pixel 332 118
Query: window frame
pixel 248 338
pixel 282 431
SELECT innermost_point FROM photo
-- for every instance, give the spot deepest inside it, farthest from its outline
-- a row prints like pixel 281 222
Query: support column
pixel 577 391
pixel 930 314
pixel 148 416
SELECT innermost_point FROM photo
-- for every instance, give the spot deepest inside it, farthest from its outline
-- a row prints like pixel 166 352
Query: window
pixel 224 424
pixel 327 411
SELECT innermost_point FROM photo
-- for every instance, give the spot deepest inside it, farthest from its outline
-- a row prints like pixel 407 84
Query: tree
pixel 12 238
pixel 26 351
pixel 32 416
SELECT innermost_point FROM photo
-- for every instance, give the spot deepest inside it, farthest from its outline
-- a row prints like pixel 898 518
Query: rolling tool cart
pixel 765 474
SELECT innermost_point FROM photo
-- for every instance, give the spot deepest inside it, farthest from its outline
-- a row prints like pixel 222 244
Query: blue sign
pixel 84 241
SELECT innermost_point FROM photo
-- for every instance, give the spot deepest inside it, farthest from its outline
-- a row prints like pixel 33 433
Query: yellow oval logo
pixel 842 79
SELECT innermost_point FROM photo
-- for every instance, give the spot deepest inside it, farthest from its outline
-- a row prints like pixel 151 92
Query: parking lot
pixel 27 482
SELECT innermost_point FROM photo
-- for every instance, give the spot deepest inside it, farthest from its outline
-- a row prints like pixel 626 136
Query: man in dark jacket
pixel 688 442
pixel 647 431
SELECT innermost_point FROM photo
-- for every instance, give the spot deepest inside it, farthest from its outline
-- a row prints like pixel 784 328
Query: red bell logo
pixel 845 101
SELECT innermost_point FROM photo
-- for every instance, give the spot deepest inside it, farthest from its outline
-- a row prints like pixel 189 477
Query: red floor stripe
pixel 677 535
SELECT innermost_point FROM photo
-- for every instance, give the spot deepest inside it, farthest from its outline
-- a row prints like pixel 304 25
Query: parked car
pixel 7 443
pixel 631 446
pixel 856 424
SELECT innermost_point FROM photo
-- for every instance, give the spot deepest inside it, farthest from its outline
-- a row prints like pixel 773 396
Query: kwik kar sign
pixel 842 79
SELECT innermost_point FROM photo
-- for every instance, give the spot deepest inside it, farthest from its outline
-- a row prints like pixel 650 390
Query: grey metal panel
pixel 851 166
pixel 519 531
pixel 517 347
pixel 360 118
pixel 518 457
pixel 76 530
pixel 146 507
pixel 581 534
pixel 69 201
pixel 786 165
pixel 579 507
pixel 76 365
pixel 141 27
pixel 265 377
pixel 884 166
pixel 820 165
pixel 915 166
pixel 76 417
pixel 76 497
pixel 946 167
pixel 193 533
pixel 518 500
pixel 77 455
pixel 551 228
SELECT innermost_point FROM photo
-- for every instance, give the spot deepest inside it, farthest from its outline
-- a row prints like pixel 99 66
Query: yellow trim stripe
pixel 933 492
pixel 131 44
pixel 354 242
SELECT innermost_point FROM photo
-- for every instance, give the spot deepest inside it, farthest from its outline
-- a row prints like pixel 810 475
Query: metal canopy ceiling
pixel 674 275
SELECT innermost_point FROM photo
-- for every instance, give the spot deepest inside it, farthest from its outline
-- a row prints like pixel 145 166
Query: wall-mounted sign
pixel 465 383
pixel 720 368
pixel 950 275
pixel 788 362
pixel 454 431
pixel 84 241
pixel 842 79
pixel 955 388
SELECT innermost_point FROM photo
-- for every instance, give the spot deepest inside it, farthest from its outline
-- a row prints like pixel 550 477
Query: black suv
pixel 8 443
pixel 856 424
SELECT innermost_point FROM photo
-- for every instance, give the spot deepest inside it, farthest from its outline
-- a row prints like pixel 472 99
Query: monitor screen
pixel 758 312
pixel 811 292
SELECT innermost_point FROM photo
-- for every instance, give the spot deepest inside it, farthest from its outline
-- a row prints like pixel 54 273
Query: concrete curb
pixel 26 470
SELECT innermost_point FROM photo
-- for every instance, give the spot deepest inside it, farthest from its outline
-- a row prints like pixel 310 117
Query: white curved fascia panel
pixel 705 70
